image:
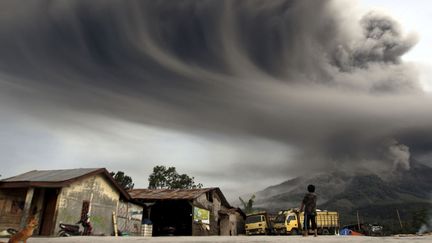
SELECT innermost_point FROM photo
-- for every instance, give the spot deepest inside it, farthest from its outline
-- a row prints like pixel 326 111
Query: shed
pixel 184 212
pixel 61 196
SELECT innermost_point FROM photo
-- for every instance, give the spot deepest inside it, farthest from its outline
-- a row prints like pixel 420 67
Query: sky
pixel 239 94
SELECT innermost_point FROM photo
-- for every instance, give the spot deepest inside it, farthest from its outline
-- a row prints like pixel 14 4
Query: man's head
pixel 311 188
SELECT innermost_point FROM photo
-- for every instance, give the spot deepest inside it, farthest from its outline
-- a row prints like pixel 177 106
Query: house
pixel 190 212
pixel 64 196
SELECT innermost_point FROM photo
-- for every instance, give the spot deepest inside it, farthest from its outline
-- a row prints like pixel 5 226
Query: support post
pixel 400 221
pixel 358 221
pixel 114 217
pixel 27 207
pixel 39 207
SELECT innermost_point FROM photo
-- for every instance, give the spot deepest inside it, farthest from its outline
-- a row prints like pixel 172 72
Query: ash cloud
pixel 329 85
pixel 400 155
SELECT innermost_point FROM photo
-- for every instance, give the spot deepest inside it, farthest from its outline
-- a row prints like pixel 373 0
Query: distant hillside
pixel 290 193
pixel 375 199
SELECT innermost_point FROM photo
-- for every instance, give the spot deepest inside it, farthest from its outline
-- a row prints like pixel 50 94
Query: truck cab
pixel 287 222
pixel 257 224
pixel 291 222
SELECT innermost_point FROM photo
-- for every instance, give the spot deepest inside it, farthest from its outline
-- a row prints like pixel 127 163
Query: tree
pixel 123 180
pixel 168 178
pixel 248 206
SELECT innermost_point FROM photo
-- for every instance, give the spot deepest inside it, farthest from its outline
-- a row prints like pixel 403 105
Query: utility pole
pixel 358 221
pixel 400 221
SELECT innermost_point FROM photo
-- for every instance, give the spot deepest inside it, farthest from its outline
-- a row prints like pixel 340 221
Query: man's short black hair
pixel 311 188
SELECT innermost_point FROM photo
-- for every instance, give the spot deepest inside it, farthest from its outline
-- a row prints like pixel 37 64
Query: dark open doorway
pixel 48 213
pixel 172 217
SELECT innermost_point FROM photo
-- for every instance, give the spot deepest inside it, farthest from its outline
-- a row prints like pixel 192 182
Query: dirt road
pixel 237 239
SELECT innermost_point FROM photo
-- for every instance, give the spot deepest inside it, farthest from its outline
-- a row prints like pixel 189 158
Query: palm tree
pixel 248 206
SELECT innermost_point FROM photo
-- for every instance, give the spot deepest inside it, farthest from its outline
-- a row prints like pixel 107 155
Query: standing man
pixel 309 206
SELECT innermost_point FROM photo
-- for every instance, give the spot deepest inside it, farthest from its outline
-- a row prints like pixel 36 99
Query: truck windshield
pixel 280 218
pixel 253 219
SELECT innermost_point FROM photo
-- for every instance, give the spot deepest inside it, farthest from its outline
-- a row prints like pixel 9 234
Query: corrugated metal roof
pixel 57 178
pixel 165 194
pixel 50 175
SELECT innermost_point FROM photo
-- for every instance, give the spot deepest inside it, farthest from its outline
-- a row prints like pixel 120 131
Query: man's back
pixel 309 202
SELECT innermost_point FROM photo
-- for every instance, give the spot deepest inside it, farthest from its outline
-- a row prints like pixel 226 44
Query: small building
pixel 64 196
pixel 190 212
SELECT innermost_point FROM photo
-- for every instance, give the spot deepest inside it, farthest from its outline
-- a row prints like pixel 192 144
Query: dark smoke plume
pixel 331 86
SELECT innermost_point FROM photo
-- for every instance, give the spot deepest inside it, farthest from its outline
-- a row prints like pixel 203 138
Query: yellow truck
pixel 291 222
pixel 258 224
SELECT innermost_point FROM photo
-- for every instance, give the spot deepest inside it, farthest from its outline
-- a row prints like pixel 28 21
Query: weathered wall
pixel 214 224
pixel 202 229
pixel 224 225
pixel 129 218
pixel 213 206
pixel 103 199
pixel 202 202
pixel 11 205
pixel 237 224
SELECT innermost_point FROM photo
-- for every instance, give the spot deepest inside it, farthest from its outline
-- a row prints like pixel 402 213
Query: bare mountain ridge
pixel 373 196
pixel 289 193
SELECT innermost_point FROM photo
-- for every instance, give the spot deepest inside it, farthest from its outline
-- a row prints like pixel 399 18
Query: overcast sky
pixel 240 94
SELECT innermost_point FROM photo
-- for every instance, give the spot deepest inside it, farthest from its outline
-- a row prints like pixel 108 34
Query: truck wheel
pixel 63 234
pixel 325 232
pixel 295 232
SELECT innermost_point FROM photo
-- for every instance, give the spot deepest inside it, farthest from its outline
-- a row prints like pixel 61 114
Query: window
pixel 292 217
pixel 280 218
pixel 254 219
pixel 209 196
pixel 85 210
pixel 16 207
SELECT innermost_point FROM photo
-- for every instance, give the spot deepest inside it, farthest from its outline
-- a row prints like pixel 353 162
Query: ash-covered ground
pixel 239 239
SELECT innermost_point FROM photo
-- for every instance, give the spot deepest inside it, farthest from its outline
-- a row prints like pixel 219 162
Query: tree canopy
pixel 123 180
pixel 168 178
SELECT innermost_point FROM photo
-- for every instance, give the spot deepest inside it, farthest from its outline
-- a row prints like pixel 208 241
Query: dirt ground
pixel 237 239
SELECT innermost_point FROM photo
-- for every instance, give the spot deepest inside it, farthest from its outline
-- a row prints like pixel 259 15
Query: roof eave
pixel 57 184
